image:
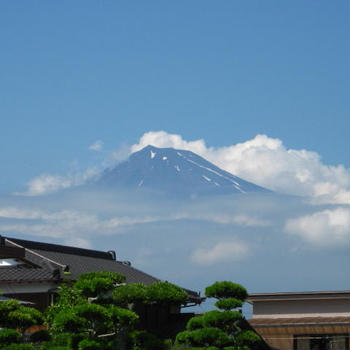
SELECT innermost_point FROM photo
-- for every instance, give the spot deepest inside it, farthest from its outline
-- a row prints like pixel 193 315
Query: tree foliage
pixel 228 303
pixel 98 284
pixel 15 316
pixel 203 337
pixel 226 289
pixel 220 329
pixel 84 315
pixel 9 336
pixel 165 293
pixel 142 340
pixel 129 294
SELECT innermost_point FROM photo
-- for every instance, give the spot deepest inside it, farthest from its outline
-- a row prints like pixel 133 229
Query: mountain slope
pixel 172 171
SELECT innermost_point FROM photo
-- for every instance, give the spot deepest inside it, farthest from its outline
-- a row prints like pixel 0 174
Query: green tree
pixel 15 316
pixel 130 294
pixel 85 312
pixel 9 336
pixel 158 296
pixel 165 293
pixel 220 329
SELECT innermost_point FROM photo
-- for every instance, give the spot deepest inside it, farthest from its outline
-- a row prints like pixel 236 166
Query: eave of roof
pixel 314 295
pixel 288 321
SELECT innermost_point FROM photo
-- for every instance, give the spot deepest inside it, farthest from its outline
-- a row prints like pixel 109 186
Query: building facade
pixel 302 321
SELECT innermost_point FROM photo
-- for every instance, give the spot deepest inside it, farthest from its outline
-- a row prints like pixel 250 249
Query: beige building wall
pixel 296 321
pixel 301 308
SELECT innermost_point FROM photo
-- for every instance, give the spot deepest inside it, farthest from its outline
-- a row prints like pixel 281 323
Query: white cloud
pixel 221 252
pixel 241 219
pixel 323 228
pixel 48 183
pixel 96 146
pixel 163 139
pixel 268 163
pixel 66 223
pixel 16 213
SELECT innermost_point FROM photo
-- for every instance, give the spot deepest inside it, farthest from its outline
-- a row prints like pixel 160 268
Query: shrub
pixel 8 336
pixel 228 303
pixel 224 320
pixel 18 347
pixel 209 337
pixel 75 339
pixel 122 317
pixel 130 293
pixel 203 337
pixel 14 315
pixel 40 336
pixel 195 323
pixel 226 289
pixel 183 338
pixel 91 312
pixel 165 292
pixel 87 344
pixel 24 317
pixel 61 339
pixel 142 340
pixel 249 338
pixel 220 329
pixel 114 276
pixel 93 284
pixel 68 322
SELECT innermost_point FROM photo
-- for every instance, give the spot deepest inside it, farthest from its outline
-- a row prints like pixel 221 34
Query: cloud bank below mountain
pixel 254 239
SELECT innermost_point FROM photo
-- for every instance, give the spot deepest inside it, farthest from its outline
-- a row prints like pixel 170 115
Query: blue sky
pixel 72 73
pixel 260 88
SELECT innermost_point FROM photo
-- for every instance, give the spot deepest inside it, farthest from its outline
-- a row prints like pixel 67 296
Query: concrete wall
pixel 301 308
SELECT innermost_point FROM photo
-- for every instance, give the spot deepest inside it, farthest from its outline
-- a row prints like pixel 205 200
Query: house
pixel 32 271
pixel 302 321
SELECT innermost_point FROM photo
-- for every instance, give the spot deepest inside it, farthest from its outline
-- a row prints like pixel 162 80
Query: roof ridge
pixel 62 248
pixel 37 254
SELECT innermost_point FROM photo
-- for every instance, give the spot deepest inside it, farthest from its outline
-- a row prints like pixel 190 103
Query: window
pixel 10 262
pixel 321 342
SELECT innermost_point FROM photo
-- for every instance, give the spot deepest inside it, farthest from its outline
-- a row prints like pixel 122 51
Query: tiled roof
pixel 49 261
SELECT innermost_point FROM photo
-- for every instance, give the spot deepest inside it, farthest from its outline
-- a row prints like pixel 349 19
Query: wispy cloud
pixel 267 162
pixel 221 252
pixel 65 223
pixel 49 183
pixel 191 239
pixel 96 146
pixel 242 219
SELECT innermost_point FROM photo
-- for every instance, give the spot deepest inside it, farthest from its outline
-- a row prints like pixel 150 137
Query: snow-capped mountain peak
pixel 174 171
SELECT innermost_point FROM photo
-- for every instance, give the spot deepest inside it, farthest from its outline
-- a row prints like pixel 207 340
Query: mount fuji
pixel 174 172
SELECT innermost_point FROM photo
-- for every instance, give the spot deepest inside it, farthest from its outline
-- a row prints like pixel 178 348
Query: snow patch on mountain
pixel 177 172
